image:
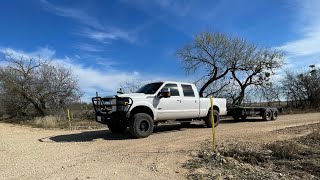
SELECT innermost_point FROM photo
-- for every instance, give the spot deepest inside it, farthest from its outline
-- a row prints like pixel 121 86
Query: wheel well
pixel 142 109
pixel 216 108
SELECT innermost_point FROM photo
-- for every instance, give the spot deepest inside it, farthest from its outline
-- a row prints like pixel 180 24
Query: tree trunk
pixel 205 86
pixel 239 99
pixel 36 105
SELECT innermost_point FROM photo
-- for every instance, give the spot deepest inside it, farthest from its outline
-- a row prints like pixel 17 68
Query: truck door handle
pixel 179 100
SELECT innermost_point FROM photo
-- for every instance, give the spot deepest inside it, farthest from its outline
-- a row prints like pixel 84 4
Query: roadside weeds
pixel 297 158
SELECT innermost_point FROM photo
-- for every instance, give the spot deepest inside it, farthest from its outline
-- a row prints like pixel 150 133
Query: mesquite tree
pixel 254 67
pixel 208 54
pixel 217 56
pixel 303 89
pixel 35 82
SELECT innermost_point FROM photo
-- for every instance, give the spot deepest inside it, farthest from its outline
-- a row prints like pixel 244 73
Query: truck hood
pixel 135 95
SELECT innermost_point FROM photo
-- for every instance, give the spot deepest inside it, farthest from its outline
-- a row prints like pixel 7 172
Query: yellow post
pixel 69 118
pixel 212 122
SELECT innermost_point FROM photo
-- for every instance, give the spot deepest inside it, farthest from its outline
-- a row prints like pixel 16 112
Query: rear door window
pixel 187 90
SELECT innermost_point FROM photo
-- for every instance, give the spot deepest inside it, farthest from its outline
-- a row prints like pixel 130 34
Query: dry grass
pixel 297 158
pixel 56 122
pixel 49 122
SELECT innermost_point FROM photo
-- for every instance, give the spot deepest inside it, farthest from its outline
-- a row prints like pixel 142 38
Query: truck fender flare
pixel 142 109
pixel 215 107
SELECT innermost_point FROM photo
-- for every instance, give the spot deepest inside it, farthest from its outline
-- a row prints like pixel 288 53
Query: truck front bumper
pixel 111 108
pixel 106 118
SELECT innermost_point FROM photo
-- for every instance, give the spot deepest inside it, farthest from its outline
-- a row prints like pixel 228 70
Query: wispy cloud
pixel 76 14
pixel 182 16
pixel 88 47
pixel 107 36
pixel 179 8
pixel 92 28
pixel 176 8
pixel 308 27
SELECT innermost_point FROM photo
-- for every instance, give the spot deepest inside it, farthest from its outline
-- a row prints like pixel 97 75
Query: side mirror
pixel 164 93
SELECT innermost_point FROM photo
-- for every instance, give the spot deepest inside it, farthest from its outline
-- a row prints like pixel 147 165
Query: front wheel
pixel 208 120
pixel 141 125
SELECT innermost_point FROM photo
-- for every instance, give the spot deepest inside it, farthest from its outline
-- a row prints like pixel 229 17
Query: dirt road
pixel 31 153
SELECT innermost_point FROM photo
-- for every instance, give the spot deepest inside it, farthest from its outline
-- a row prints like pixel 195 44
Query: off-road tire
pixel 267 115
pixel 208 121
pixel 141 125
pixel 275 114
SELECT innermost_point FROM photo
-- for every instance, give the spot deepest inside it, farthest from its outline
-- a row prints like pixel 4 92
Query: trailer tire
pixel 275 114
pixel 216 119
pixel 141 125
pixel 267 115
pixel 117 126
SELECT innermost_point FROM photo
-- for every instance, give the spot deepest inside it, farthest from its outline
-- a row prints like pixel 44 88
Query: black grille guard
pixel 104 106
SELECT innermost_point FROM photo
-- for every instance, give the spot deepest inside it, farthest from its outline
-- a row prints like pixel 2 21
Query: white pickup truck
pixel 153 103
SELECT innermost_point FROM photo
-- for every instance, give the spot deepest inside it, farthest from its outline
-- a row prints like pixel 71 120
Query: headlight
pixel 122 104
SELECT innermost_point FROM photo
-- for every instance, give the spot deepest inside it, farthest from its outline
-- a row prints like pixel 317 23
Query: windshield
pixel 150 88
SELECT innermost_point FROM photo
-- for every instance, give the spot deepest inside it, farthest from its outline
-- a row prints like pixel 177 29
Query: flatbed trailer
pixel 267 113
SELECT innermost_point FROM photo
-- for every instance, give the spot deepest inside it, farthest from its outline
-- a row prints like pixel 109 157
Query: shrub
pixel 50 122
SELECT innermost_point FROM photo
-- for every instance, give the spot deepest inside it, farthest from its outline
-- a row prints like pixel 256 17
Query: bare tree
pixel 217 56
pixel 131 86
pixel 272 92
pixel 230 92
pixel 207 54
pixel 254 66
pixel 216 88
pixel 45 86
pixel 303 89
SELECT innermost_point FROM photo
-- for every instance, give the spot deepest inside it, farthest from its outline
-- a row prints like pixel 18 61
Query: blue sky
pixel 107 43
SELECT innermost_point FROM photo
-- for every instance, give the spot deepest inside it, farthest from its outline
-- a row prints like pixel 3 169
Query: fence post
pixel 69 118
pixel 212 122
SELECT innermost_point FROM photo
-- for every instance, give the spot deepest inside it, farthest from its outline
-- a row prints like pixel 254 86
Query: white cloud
pixel 91 78
pixel 93 28
pixel 43 52
pixel 308 27
pixel 308 45
pixel 88 47
pixel 106 36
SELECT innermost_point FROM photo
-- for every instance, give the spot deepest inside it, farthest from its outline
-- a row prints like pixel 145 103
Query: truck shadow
pixel 108 135
pixel 231 120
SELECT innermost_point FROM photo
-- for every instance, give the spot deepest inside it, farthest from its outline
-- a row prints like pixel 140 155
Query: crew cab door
pixel 190 101
pixel 169 108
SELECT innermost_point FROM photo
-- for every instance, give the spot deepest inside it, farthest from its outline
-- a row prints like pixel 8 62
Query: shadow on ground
pixel 108 135
pixel 231 121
